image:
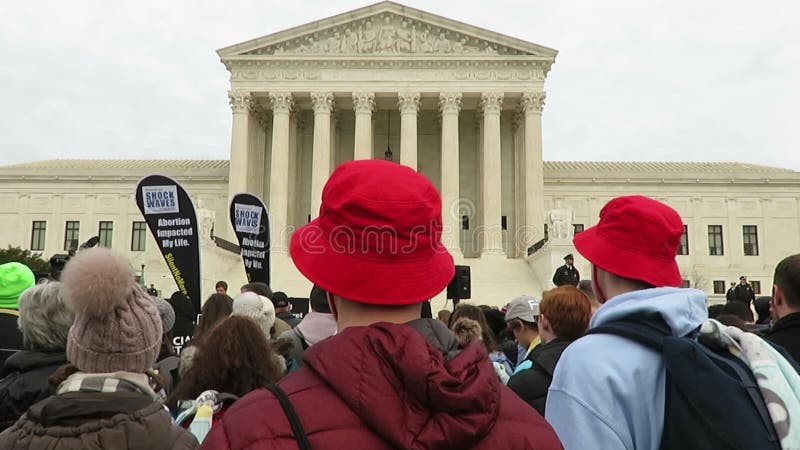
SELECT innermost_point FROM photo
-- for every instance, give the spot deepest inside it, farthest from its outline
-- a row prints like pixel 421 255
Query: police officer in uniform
pixel 567 274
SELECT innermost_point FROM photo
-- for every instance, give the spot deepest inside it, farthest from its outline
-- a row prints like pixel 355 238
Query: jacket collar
pixel 788 321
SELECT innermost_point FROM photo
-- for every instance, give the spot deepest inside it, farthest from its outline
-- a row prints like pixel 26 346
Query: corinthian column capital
pixel 492 102
pixel 408 102
pixel 450 102
pixel 282 102
pixel 363 102
pixel 322 102
pixel 532 102
pixel 240 101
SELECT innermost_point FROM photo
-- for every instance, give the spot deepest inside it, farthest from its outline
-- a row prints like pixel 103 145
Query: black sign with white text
pixel 251 223
pixel 170 215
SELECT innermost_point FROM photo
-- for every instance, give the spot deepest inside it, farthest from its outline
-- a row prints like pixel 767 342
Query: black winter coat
pixel 10 336
pixel 786 333
pixel 532 384
pixel 565 275
pixel 24 382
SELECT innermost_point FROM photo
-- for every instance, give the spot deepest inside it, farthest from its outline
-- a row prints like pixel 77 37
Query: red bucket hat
pixel 378 236
pixel 637 237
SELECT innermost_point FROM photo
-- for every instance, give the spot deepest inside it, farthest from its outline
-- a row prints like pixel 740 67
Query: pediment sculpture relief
pixel 388 34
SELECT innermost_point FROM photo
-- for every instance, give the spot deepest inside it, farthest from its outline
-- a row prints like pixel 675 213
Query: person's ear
pixel 332 305
pixel 544 324
pixel 778 298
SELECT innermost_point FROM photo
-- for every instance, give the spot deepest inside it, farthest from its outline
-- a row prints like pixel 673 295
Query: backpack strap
pixel 291 414
pixel 648 330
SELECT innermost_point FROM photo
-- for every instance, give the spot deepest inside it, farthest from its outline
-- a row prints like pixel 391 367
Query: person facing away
pixel 216 308
pixel 15 278
pixel 565 313
pixel 317 325
pixel 388 379
pixel 106 397
pixel 608 392
pixel 468 323
pixel 226 363
pixel 786 306
pixel 263 289
pixel 44 321
pixel 283 309
pixel 567 274
pixel 183 329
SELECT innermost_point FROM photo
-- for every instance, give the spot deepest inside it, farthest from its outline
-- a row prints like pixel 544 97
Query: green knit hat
pixel 14 279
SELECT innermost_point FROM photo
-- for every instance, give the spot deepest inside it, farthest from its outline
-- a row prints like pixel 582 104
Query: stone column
pixel 450 105
pixel 321 163
pixel 279 176
pixel 491 104
pixel 363 105
pixel 408 103
pixel 532 104
pixel 240 102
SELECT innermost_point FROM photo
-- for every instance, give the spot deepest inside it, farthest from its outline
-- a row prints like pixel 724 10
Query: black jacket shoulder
pixel 532 384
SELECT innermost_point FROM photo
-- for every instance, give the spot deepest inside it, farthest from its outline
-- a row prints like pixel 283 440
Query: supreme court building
pixel 460 104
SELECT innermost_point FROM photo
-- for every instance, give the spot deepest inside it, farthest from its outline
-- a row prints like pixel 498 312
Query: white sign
pixel 160 199
pixel 247 218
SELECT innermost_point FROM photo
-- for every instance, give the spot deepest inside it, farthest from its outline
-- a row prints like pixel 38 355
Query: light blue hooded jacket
pixel 608 392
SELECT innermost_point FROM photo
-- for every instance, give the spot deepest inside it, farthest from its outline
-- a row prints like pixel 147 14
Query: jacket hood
pixel 405 389
pixel 317 326
pixel 547 355
pixel 682 309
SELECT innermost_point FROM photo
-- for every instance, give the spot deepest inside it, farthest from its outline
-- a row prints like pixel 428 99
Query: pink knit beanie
pixel 117 326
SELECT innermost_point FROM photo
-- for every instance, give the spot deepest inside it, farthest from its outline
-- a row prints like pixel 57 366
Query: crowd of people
pixel 94 360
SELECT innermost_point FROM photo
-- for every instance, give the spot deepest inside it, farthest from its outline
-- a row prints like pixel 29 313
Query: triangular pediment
pixel 386 29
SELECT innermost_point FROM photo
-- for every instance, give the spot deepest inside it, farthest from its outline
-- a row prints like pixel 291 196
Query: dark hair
pixel 738 309
pixel 236 359
pixel 715 310
pixel 732 321
pixel 215 309
pixel 259 288
pixel 762 305
pixel 495 318
pixel 787 277
pixel 475 313
pixel 319 300
pixel 221 284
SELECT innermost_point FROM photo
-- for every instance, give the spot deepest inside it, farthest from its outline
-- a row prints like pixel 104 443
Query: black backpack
pixel 712 399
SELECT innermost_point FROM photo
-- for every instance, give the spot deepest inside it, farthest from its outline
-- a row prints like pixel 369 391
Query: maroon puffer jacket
pixel 383 387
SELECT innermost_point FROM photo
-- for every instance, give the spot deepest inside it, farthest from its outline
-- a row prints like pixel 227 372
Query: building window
pixel 106 233
pixel 750 239
pixel 719 286
pixel 686 284
pixel 546 233
pixel 38 232
pixel 683 248
pixel 756 287
pixel 138 236
pixel 715 240
pixel 504 222
pixel 72 235
pixel 465 222
pixel 577 228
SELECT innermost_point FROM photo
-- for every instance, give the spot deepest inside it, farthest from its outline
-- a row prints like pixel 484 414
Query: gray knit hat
pixel 166 312
pixel 117 326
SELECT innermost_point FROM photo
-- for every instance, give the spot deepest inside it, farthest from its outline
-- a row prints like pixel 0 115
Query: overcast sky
pixel 710 80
